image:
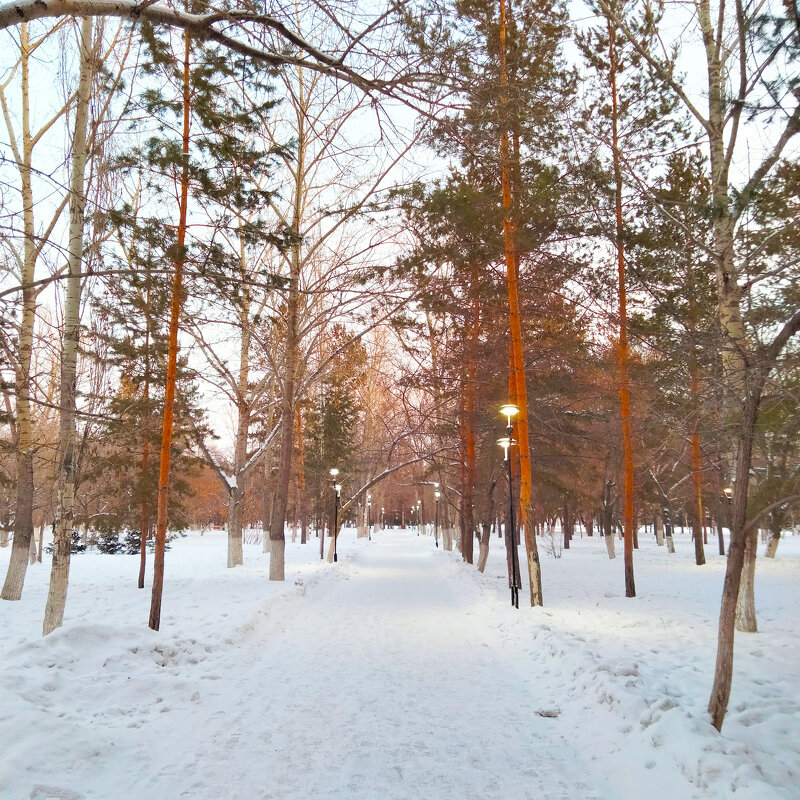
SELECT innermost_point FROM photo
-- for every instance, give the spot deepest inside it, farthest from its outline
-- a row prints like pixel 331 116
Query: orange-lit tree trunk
pixel 172 359
pixel 515 332
pixel 622 360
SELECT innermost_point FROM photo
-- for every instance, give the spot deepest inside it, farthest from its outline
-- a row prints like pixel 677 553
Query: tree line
pixel 246 211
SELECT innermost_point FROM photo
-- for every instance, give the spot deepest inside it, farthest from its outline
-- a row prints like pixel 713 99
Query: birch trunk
pixel 65 503
pixel 238 492
pixel 659 526
pixel 745 605
pixel 172 358
pixel 483 547
pixel 23 516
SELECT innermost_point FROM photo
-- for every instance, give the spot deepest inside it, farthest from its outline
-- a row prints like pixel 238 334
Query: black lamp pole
pixel 514 567
pixel 369 518
pixel 336 490
pixel 509 410
pixel 436 519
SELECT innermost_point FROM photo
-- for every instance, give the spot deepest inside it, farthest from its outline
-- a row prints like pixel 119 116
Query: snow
pixel 399 672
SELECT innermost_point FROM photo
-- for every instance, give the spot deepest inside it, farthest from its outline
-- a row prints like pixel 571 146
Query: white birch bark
pixel 59 574
pixel 772 546
pixel 659 526
pixel 745 605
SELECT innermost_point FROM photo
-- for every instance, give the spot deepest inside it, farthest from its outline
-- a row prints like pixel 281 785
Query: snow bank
pixel 624 681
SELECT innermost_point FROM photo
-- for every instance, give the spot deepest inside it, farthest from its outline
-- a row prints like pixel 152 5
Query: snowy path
pixel 400 672
pixel 379 683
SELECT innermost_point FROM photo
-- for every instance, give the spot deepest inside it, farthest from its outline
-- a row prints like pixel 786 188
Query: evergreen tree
pixel 213 164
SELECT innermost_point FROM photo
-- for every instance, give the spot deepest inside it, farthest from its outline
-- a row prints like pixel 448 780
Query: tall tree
pixel 747 52
pixel 59 574
pixel 26 254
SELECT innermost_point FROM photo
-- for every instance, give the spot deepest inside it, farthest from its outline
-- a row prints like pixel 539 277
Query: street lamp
pixel 509 410
pixel 383 517
pixel 419 516
pixel 436 494
pixel 369 516
pixel 337 489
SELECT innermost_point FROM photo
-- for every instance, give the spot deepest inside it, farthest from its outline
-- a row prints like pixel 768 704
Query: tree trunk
pixel 268 498
pixel 772 547
pixel 515 332
pixel 659 526
pixel 745 606
pixel 23 516
pixel 65 504
pixel 468 428
pixel 172 359
pixel 720 535
pixel 235 513
pixel 144 512
pixel 483 547
pixel 697 531
pixel 622 360
pixel 723 671
pixel 239 492
pixel 301 493
pixel 277 531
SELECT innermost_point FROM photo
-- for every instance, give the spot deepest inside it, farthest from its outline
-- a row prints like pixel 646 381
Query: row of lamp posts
pixel 509 411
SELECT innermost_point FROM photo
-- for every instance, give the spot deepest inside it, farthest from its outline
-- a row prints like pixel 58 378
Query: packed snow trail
pixel 399 672
pixel 377 683
pixel 380 682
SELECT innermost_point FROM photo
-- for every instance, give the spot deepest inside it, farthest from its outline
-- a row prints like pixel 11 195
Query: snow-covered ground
pixel 399 672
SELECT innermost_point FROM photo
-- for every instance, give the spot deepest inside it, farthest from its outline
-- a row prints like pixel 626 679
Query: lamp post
pixel 419 516
pixel 436 494
pixel 369 516
pixel 337 488
pixel 383 517
pixel 509 410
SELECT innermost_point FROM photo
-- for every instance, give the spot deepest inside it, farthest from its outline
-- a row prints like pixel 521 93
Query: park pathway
pixel 380 682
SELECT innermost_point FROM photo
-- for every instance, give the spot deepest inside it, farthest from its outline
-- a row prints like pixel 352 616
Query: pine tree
pixel 195 94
